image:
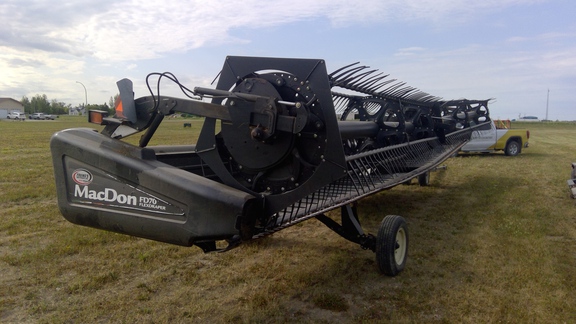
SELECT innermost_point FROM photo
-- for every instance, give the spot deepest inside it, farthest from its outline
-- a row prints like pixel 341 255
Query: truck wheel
pixel 424 179
pixel 512 148
pixel 392 245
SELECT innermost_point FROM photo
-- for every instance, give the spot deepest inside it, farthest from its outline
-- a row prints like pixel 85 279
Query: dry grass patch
pixel 493 239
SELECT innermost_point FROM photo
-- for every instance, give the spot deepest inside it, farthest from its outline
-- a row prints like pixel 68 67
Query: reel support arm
pixel 259 112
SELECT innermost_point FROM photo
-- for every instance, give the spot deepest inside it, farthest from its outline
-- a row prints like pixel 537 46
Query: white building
pixel 8 105
pixel 78 111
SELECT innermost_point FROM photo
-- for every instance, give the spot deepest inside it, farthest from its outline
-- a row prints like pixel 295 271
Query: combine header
pixel 282 141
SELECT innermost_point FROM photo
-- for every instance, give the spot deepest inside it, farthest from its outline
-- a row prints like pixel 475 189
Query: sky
pixel 522 53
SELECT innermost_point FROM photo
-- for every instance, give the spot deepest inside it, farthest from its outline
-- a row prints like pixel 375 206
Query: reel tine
pixel 349 72
pixel 332 75
pixel 373 83
pixel 373 88
pixel 348 77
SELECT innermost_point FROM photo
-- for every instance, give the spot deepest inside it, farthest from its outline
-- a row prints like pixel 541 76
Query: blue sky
pixel 510 50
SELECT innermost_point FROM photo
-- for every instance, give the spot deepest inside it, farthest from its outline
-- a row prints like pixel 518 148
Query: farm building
pixel 78 111
pixel 7 105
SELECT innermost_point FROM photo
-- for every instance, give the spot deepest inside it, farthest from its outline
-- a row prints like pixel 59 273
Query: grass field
pixel 493 239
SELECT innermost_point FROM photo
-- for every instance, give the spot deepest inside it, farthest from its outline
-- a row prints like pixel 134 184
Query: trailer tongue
pixel 293 142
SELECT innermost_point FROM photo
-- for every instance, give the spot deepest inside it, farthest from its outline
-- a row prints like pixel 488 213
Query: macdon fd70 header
pixel 282 141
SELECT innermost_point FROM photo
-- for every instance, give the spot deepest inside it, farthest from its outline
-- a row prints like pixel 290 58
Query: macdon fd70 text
pixel 282 141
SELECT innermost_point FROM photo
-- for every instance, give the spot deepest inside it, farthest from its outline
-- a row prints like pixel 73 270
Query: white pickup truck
pixel 497 136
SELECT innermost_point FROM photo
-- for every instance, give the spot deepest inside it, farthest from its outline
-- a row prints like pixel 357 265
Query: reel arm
pixel 260 113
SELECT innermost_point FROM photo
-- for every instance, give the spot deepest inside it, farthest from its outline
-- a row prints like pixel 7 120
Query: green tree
pixel 39 103
pixel 112 104
pixel 26 103
pixel 59 108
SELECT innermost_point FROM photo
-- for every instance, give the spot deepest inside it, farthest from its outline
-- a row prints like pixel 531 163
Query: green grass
pixel 493 239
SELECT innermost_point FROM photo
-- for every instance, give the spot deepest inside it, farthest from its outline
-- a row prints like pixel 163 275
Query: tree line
pixel 41 104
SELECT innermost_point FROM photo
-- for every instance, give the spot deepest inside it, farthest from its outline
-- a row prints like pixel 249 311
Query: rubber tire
pixel 424 179
pixel 392 245
pixel 512 148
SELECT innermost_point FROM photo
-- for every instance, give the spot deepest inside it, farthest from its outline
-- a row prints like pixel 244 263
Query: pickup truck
pixel 497 136
pixel 37 116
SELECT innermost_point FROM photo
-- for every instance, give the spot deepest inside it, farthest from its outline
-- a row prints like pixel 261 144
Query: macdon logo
pixel 107 195
pixel 112 196
pixel 82 177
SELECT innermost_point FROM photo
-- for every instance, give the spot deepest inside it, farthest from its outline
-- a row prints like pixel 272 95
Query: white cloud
pixel 34 71
pixel 45 48
pixel 409 51
pixel 131 30
pixel 517 78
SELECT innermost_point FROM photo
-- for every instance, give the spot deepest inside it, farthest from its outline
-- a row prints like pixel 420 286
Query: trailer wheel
pixel 424 179
pixel 392 245
pixel 512 148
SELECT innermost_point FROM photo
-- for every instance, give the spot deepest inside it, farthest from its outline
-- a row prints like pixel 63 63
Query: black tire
pixel 424 179
pixel 512 148
pixel 392 245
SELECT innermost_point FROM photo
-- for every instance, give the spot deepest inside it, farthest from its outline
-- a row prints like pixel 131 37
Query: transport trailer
pixel 282 141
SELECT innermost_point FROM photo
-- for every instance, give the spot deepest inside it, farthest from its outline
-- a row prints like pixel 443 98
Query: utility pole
pixel 547 99
pixel 85 93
